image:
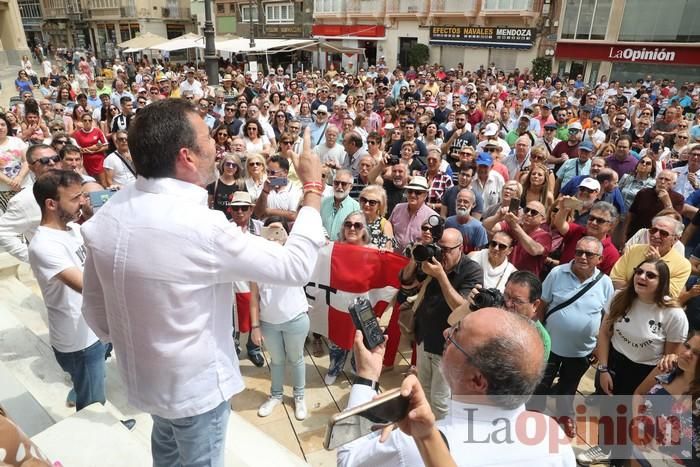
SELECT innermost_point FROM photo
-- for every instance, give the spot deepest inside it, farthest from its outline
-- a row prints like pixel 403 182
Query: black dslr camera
pixel 487 298
pixel 432 250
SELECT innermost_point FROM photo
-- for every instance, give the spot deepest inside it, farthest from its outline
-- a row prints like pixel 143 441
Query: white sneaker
pixel 300 408
pixel 329 379
pixel 594 455
pixel 268 406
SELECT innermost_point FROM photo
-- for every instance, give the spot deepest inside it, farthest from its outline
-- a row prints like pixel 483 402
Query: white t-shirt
pixel 286 199
pixel 279 304
pixel 642 333
pixel 11 154
pixel 50 253
pixel 494 278
pixel 121 175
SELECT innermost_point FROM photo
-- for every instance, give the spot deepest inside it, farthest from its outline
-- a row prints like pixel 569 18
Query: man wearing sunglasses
pixel 573 324
pixel 22 216
pixel 335 209
pixel 663 234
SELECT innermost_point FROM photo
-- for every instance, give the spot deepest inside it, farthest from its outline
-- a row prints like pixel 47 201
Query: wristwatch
pixel 367 382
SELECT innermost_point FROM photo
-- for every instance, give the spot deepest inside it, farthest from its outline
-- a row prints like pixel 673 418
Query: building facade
pixel 626 39
pixel 471 32
pixel 269 19
pixel 100 25
pixel 13 43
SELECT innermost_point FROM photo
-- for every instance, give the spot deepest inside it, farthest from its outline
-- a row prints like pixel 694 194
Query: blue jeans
pixel 87 370
pixel 196 441
pixel 285 341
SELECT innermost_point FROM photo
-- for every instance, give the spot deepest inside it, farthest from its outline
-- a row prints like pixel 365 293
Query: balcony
pixel 509 7
pixel 365 8
pixel 453 8
pixel 329 7
pixel 407 8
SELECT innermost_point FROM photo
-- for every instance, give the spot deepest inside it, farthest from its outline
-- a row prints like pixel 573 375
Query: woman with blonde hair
pixel 535 187
pixel 373 203
pixel 539 154
pixel 230 181
pixel 256 175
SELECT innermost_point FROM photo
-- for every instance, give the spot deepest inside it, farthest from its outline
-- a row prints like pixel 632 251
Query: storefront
pixel 623 61
pixel 507 46
pixel 364 36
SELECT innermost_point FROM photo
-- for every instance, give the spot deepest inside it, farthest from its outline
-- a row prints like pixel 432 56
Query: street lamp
pixel 252 32
pixel 210 59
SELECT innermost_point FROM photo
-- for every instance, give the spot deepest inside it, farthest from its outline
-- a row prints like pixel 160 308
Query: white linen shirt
pixel 157 284
pixel 21 217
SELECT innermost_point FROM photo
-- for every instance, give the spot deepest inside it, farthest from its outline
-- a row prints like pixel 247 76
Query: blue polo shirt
pixel 473 233
pixel 574 329
pixel 333 219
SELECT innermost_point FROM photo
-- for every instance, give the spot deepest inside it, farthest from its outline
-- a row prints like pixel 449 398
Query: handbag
pixel 571 300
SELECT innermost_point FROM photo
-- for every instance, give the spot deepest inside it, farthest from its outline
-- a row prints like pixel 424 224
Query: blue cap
pixel 586 146
pixel 484 158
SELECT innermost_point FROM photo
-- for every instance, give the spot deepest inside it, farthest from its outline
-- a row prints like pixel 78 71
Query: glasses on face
pixel 48 159
pixel 338 183
pixel 122 140
pixel 371 202
pixel 662 233
pixel 60 141
pixel 597 220
pixel 449 337
pixel 596 122
pixel 414 192
pixel 651 275
pixel 588 254
pixel 500 246
pixel 230 109
pixel 230 165
pixel 252 128
pixel 222 134
pixel 353 225
pixel 681 137
pixel 646 162
pixel 255 164
pixel 240 208
pixel 531 212
pixel 585 190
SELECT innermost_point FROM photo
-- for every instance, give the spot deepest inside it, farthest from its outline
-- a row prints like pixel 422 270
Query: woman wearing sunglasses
pixel 373 204
pixel 642 323
pixel 230 181
pixel 255 139
pixel 222 140
pixel 256 175
pixel 494 261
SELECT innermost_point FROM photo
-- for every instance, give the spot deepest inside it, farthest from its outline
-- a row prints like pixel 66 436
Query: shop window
pixel 586 19
pixel 678 23
pixel 245 13
pixel 220 8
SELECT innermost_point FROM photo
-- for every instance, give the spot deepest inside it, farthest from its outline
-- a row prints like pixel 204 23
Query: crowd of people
pixel 577 204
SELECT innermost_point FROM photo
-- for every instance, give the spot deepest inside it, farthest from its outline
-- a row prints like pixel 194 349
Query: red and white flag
pixel 342 273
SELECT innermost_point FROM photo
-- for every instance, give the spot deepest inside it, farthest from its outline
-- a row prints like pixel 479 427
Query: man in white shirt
pixel 57 255
pixel 158 281
pixel 329 151
pixel 689 175
pixel 191 84
pixel 493 361
pixel 22 216
pixel 488 183
pixel 279 197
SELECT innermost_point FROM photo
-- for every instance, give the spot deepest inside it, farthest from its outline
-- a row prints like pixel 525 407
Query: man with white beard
pixel 334 210
pixel 473 233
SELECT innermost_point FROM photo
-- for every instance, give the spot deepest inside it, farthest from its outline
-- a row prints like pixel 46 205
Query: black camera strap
pixel 575 297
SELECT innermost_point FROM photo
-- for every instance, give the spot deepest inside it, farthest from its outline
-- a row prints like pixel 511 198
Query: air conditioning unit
pixel 412 9
pixel 166 13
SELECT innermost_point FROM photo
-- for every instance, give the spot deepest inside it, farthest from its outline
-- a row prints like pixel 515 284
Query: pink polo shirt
pixel 406 227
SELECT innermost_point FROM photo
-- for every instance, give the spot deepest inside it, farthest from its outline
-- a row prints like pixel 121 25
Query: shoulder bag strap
pixel 126 163
pixel 322 133
pixel 576 296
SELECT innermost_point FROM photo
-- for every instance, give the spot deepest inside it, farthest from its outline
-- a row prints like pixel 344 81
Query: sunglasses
pixel 648 274
pixel 371 202
pixel 531 212
pixel 287 142
pixel 500 246
pixel 414 192
pixel 255 164
pixel 230 165
pixel 662 233
pixel 60 141
pixel 338 183
pixel 585 190
pixel 230 109
pixel 646 162
pixel 588 254
pixel 48 159
pixel 240 208
pixel 353 225
pixel 122 140
pixel 597 220
pixel 222 134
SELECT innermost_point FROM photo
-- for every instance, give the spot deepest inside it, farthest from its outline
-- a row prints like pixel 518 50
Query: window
pixel 678 23
pixel 279 13
pixel 245 13
pixel 220 8
pixel 508 5
pixel 232 8
pixel 586 19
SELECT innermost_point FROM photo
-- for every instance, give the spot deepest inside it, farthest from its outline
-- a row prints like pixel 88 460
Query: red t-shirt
pixel 523 260
pixel 90 138
pixel 575 233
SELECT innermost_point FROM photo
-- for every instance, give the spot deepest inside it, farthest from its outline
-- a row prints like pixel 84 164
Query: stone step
pixel 20 405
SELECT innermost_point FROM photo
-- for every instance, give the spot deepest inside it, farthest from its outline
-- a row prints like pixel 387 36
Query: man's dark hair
pixel 283 162
pixel 46 186
pixel 624 137
pixel 124 99
pixel 605 176
pixel 69 149
pixel 355 139
pixel 461 112
pixel 529 279
pixel 157 133
pixel 32 149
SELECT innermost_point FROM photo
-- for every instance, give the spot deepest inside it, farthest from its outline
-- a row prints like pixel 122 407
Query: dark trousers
pixel 570 371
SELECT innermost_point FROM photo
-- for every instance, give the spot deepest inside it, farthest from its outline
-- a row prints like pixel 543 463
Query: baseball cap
pixel 550 126
pixel 590 183
pixel 576 126
pixel 586 146
pixel 484 158
pixel 491 129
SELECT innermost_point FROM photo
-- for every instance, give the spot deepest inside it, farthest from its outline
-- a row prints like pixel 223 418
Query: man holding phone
pixel 479 349
pixel 278 197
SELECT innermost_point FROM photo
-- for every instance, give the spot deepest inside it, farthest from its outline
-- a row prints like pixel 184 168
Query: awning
pixel 142 41
pixel 186 41
pixel 242 45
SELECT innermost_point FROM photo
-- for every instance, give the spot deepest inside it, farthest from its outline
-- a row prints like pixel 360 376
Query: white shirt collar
pixel 188 192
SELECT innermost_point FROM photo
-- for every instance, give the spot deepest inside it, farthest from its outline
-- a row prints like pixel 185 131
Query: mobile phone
pixel 364 419
pixel 278 181
pixel 573 203
pixel 514 206
pixel 274 234
pixel 366 321
pixel 98 198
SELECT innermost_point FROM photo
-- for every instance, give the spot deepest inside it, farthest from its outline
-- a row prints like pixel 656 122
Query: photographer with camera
pixel 449 276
